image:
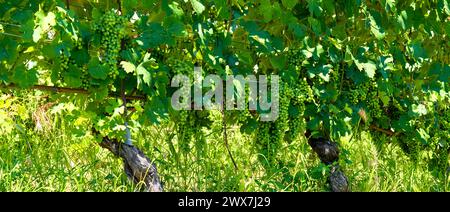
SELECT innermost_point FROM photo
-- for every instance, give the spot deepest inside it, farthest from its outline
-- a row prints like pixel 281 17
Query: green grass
pixel 57 160
pixel 380 165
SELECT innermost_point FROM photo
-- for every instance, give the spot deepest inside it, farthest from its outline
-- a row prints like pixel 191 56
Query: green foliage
pixel 336 58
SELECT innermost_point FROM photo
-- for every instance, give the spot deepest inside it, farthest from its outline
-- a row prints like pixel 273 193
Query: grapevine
pixel 341 64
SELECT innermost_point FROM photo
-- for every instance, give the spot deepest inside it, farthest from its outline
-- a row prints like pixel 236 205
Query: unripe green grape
pixel 295 58
pixel 281 124
pixel 263 134
pixel 354 97
pixel 64 61
pixel 179 66
pixel 301 92
pixel 111 27
pixel 79 44
pixel 296 127
pixel 187 129
pixel 85 78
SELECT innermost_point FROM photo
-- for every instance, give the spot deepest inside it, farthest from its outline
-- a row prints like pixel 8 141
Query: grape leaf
pixel 128 67
pixel 298 30
pixel 154 35
pixel 174 26
pixel 24 78
pixel 100 93
pixel 314 7
pixel 419 109
pixel 369 68
pixel 145 75
pixel 177 11
pixel 80 57
pixel 266 10
pixel 96 70
pixel 386 64
pixel 8 49
pixel 390 6
pixel 278 62
pixel 44 22
pixel 289 4
pixel 445 74
pixel 155 109
pixel 423 136
pixel 375 25
pixel 198 7
pixel 129 6
pixel 315 25
pixel 73 76
pixel 417 50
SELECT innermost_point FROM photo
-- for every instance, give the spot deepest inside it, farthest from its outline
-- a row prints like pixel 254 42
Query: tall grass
pixel 56 160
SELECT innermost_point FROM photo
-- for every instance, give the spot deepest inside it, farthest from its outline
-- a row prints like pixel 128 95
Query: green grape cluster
pixel 263 141
pixel 373 105
pixel 64 62
pixel 295 58
pixel 212 12
pixel 270 135
pixel 354 97
pixel 63 65
pixel 79 44
pixel 185 131
pixel 182 67
pixel 336 73
pixel 85 78
pixel 288 126
pixel 372 101
pixel 367 93
pixel 188 129
pixel 296 127
pixel 179 66
pixel 359 94
pixel 302 93
pixel 112 29
pixel 281 124
pixel 243 115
